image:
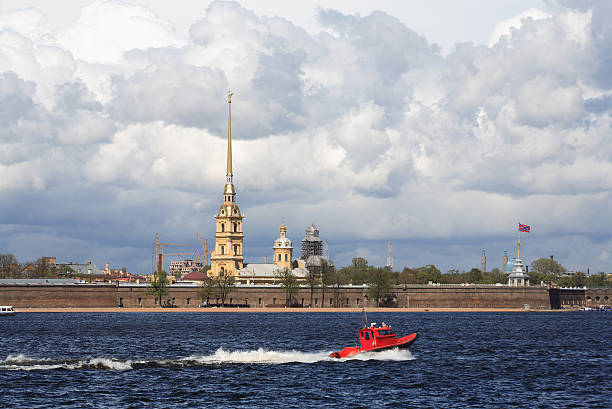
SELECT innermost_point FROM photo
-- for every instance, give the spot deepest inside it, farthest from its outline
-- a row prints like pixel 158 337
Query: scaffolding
pixel 312 244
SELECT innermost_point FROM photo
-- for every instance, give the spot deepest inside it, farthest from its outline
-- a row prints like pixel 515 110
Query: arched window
pixel 222 227
pixel 279 257
pixel 222 271
pixel 235 226
pixel 286 257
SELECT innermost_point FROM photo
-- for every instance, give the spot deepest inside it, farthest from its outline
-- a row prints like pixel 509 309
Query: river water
pixel 264 360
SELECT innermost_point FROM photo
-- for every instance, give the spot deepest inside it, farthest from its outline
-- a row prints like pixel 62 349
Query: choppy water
pixel 230 360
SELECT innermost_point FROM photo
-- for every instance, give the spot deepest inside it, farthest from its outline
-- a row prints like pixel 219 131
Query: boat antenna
pixel 364 317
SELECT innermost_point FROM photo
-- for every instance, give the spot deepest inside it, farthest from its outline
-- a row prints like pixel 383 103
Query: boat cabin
pixel 376 337
pixel 6 310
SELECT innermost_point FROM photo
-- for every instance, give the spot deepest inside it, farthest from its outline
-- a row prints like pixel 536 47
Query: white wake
pixel 221 356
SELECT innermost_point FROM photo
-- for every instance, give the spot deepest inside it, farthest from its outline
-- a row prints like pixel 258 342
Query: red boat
pixel 376 339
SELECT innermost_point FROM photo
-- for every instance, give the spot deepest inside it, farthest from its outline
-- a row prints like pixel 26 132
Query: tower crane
pixel 204 247
pixel 159 252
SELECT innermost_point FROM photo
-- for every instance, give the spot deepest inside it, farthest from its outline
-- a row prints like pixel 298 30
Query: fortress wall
pixel 598 296
pixel 474 297
pixel 24 296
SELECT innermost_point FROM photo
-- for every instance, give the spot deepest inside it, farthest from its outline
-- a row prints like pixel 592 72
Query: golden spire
pixel 229 135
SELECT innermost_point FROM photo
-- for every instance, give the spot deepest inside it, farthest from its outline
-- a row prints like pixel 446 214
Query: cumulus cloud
pixel 117 123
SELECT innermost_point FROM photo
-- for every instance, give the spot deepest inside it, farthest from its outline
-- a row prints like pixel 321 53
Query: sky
pixel 435 125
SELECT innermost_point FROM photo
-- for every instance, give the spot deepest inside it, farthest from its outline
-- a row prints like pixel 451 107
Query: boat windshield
pixel 385 332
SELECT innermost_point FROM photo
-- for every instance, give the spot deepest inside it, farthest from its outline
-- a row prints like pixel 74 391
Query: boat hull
pixel 403 342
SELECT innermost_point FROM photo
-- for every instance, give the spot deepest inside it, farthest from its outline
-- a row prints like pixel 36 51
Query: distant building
pixel 517 277
pixel 267 273
pixel 196 277
pixel 185 267
pixel 311 244
pixel 49 261
pixel 88 268
pixel 312 257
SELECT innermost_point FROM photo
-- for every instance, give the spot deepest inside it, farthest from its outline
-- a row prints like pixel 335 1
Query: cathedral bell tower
pixel 227 257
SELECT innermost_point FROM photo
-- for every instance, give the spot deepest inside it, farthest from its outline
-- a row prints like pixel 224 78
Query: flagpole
pixel 518 251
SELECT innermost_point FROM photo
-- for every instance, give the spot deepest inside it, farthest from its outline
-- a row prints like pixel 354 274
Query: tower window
pixel 235 226
pixel 222 248
pixel 235 249
pixel 279 257
pixel 286 257
pixel 222 227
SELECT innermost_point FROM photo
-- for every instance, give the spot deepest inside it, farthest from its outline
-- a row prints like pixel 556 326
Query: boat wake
pixel 220 357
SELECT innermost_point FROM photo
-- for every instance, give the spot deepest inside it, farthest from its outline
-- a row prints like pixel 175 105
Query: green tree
pixel 225 284
pixel 336 279
pixel 158 285
pixel 547 266
pixel 209 289
pixel 312 280
pixel 327 272
pixel 65 270
pixel 9 265
pixel 474 275
pixel 598 280
pixel 428 273
pixel 408 276
pixel 288 281
pixel 379 284
pixel 580 279
pixel 357 271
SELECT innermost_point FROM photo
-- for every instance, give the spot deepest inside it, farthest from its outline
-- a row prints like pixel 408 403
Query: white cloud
pixel 107 29
pixel 365 129
pixel 505 28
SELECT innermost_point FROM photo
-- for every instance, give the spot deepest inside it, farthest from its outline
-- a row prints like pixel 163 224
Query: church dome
pixel 283 241
pixel 312 233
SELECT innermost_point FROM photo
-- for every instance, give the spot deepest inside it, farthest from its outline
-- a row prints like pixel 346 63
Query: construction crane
pixel 204 247
pixel 159 252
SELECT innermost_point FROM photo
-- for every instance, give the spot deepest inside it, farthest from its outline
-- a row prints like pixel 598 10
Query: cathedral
pixel 227 256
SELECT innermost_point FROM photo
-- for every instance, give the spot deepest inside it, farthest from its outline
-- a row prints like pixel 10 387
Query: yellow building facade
pixel 227 256
pixel 283 249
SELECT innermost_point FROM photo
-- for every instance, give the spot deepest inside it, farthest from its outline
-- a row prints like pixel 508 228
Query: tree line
pixel 10 267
